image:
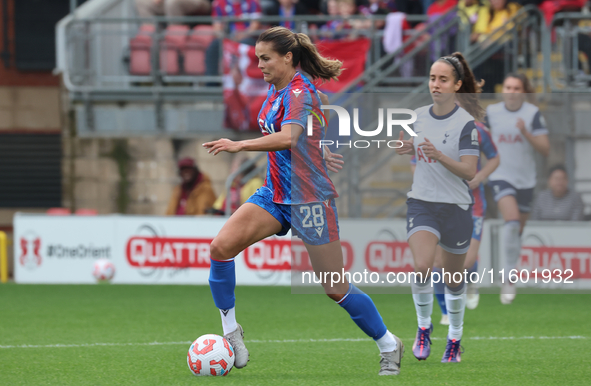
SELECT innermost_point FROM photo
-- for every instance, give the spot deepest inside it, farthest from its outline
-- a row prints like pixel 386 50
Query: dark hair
pixel 467 95
pixel 304 53
pixel 527 86
pixel 557 168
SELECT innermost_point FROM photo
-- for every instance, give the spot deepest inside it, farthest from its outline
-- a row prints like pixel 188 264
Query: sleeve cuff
pixel 537 132
pixel 470 152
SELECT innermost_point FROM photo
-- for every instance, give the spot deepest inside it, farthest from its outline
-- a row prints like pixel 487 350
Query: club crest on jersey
pixel 444 139
pixel 474 136
pixel 276 104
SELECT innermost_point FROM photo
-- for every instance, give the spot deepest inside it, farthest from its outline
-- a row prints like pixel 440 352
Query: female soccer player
pixel 519 130
pixel 488 148
pixel 439 203
pixel 294 160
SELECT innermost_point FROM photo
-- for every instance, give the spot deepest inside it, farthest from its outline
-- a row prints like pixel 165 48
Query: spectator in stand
pixel 339 27
pixel 500 12
pixel 242 31
pixel 194 196
pixel 374 7
pixel 443 44
pixel 239 192
pixel 172 8
pixel 286 8
pixel 473 11
pixel 558 202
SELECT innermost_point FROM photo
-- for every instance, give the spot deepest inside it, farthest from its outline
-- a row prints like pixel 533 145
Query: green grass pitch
pixel 538 340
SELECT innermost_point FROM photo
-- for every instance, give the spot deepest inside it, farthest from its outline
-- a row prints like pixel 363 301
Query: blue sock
pixel 363 312
pixel 439 289
pixel 222 282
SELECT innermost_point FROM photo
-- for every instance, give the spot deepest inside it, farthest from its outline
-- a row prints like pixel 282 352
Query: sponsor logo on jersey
pixel 510 138
pixel 297 92
pixel 474 136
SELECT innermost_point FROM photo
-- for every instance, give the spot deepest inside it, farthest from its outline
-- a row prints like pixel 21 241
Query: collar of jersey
pixel 513 111
pixel 296 74
pixel 442 117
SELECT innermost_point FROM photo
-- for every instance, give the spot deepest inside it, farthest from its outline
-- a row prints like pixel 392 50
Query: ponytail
pixel 467 95
pixel 304 53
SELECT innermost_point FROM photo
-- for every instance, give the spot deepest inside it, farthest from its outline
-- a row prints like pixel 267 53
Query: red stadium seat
pixel 175 39
pixel 140 46
pixel 58 211
pixel 86 212
pixel 194 53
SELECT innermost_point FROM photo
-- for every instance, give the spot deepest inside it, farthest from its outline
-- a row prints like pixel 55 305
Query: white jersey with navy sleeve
pixel 453 134
pixel 517 165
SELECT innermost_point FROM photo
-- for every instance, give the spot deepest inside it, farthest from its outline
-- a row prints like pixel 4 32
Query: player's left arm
pixel 334 161
pixel 538 137
pixel 469 151
pixel 488 148
pixel 465 168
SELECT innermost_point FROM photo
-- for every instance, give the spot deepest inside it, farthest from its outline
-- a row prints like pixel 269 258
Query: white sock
pixel 387 343
pixel 422 295
pixel 455 301
pixel 512 246
pixel 229 320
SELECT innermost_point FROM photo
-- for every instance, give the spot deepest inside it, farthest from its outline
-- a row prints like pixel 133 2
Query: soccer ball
pixel 210 355
pixel 103 270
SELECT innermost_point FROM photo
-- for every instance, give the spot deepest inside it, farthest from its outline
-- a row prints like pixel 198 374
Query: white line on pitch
pixel 574 337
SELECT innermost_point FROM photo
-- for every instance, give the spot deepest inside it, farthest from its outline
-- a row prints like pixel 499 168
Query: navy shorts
pixel 316 223
pixel 524 197
pixel 451 224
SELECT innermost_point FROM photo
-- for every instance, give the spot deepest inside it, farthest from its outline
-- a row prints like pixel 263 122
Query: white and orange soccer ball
pixel 210 355
pixel 103 270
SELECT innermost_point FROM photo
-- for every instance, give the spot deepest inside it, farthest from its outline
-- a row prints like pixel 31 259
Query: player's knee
pixel 423 269
pixel 217 250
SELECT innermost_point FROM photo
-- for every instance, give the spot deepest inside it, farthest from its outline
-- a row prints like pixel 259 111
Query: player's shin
pixel 455 300
pixel 365 314
pixel 512 246
pixel 222 282
pixel 422 295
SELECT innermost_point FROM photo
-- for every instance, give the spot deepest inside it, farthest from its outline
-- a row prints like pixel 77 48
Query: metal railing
pixel 522 31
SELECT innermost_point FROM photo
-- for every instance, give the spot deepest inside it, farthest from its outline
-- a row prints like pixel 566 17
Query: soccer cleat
pixel 508 293
pixel 453 351
pixel 422 345
pixel 390 362
pixel 444 320
pixel 236 339
pixel 472 296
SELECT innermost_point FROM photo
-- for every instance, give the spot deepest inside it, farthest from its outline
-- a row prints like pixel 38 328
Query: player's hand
pixel 521 125
pixel 334 162
pixel 223 144
pixel 407 145
pixel 475 182
pixel 430 150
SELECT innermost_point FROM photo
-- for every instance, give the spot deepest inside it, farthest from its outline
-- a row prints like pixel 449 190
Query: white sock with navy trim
pixel 229 320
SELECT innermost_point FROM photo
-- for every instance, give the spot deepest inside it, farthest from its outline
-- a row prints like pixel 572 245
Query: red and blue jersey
pixel 297 175
pixel 242 8
pixel 489 149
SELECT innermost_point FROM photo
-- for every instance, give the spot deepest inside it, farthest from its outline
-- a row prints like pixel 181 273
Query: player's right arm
pixel 282 140
pixel 407 145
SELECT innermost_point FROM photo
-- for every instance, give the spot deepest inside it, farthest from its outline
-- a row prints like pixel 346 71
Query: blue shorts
pixel 451 224
pixel 316 223
pixel 477 232
pixel 524 197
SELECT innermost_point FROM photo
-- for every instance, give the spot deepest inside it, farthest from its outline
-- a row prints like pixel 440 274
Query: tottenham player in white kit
pixel 439 204
pixel 519 130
